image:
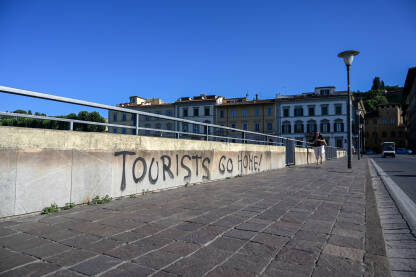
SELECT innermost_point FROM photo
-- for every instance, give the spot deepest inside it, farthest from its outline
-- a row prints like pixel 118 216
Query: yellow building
pixel 256 115
pixel 385 125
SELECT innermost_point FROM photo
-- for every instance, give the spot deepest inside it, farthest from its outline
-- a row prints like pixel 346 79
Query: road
pixel 402 170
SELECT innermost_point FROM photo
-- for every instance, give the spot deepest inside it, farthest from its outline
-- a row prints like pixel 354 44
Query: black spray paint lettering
pixel 250 162
pixel 144 166
pixel 205 167
pixel 123 177
pixel 151 180
pixel 187 177
pixel 166 167
pixel 225 164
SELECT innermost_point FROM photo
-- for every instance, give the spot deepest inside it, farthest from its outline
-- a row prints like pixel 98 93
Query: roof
pixel 308 96
pixel 133 105
pixel 252 102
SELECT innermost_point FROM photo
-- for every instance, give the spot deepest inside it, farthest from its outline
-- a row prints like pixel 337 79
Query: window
pixel 257 112
pixel 133 131
pixel 257 127
pixel 298 111
pixel 339 126
pixel 384 121
pixel 324 92
pixel 269 111
pixel 221 113
pixel 196 128
pixel 392 121
pixel 393 134
pixel 338 142
pixel 311 126
pixel 196 111
pixel 286 128
pixel 206 111
pixel 311 111
pixel 299 127
pixel 232 125
pixel 269 126
pixel 168 126
pixel 286 112
pixel 123 130
pixel 124 117
pixel 147 132
pixel 383 134
pixel 375 121
pixel 115 130
pixel 114 116
pixel 168 113
pixel 245 112
pixel 233 113
pixel 184 127
pixel 338 109
pixel 158 126
pixel 245 126
pixel 325 126
pixel 324 110
pixel 185 112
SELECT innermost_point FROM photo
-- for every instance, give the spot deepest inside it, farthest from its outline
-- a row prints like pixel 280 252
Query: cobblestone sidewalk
pixel 299 221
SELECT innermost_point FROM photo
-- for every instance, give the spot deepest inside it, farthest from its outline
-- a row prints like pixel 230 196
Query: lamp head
pixel 348 56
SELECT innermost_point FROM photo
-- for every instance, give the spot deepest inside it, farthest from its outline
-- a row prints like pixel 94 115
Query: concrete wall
pixel 39 167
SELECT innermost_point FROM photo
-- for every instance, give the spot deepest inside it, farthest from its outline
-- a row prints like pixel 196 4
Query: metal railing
pixel 212 132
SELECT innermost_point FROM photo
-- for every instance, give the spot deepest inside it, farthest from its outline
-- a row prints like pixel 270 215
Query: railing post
pixel 71 125
pixel 244 137
pixel 137 124
pixel 207 133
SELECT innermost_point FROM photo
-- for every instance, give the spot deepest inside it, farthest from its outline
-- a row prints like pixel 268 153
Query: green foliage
pixel 132 196
pixel 119 198
pixel 57 125
pixel 374 98
pixel 96 200
pixel 68 206
pixel 52 209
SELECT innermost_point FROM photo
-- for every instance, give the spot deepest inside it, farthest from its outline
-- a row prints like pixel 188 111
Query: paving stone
pixel 157 259
pixel 211 255
pixel 240 234
pixel 62 234
pixel 306 245
pixel 279 268
pixel 282 229
pixel 66 273
pixel 400 264
pixel 346 241
pixel 401 253
pixel 6 232
pixel 81 241
pixel 270 240
pixel 71 257
pixel 229 271
pixel 149 229
pixel 45 250
pixel 255 227
pixel 189 267
pixel 13 260
pixel 33 269
pixel 318 226
pixel 311 236
pixel 229 221
pixel 349 253
pixel 337 266
pixel 21 241
pixel 399 237
pixel 103 245
pixel 296 256
pixel 181 248
pixel 129 251
pixel 128 236
pixel 254 249
pixel 246 263
pixel 96 265
pixel 129 270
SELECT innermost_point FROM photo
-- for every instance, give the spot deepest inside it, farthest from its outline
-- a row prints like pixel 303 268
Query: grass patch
pixel 96 200
pixel 132 196
pixel 68 206
pixel 52 209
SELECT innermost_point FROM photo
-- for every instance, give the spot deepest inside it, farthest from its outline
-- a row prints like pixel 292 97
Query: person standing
pixel 318 143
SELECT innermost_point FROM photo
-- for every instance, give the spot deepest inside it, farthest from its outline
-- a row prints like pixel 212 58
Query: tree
pixel 376 84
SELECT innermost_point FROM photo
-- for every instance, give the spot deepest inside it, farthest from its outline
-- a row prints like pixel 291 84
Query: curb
pixel 406 206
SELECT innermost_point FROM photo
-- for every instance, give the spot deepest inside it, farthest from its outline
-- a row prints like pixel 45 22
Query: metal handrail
pixel 40 95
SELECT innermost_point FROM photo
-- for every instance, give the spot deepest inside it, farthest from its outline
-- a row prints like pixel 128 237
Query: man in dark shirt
pixel 318 143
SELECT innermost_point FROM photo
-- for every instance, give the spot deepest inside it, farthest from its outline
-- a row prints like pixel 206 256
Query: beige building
pixel 255 115
pixel 384 125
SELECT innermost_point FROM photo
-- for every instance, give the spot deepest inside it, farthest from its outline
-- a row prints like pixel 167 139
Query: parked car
pixel 370 152
pixel 387 149
pixel 403 151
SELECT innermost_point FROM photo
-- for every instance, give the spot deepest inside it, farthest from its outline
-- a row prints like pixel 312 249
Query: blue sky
pixel 105 51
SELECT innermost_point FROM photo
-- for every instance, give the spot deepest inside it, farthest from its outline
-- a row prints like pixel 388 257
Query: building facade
pixel 200 108
pixel 240 113
pixel 409 107
pixel 385 125
pixel 324 110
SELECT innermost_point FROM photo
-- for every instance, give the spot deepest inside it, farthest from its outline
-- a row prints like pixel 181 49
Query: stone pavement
pixel 298 221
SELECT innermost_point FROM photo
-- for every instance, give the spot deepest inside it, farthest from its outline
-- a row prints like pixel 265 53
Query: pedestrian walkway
pixel 297 221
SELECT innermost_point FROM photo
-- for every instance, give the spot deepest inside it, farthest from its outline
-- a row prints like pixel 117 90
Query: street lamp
pixel 348 57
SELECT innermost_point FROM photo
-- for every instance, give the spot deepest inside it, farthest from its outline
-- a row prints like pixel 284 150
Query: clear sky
pixel 105 51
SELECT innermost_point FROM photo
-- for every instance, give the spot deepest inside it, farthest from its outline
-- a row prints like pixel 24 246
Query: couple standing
pixel 318 143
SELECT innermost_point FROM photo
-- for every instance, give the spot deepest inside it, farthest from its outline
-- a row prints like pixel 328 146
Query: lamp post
pixel 348 57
